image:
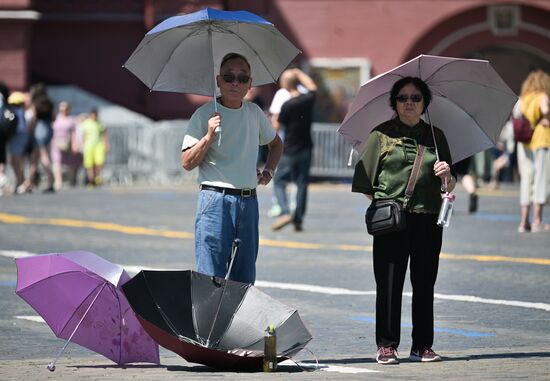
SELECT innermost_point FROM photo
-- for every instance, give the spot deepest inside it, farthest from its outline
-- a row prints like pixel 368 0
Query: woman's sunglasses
pixel 241 78
pixel 402 98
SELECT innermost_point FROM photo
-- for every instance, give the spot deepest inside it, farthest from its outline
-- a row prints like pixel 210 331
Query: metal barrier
pixel 151 153
pixel 330 152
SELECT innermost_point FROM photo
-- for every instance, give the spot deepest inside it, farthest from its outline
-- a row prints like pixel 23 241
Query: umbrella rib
pixel 438 69
pixel 232 317
pixel 63 273
pixel 476 83
pixel 164 317
pixel 76 309
pixel 192 33
pixel 459 80
pixel 52 364
pixel 120 325
pixel 470 115
pixel 251 48
pixel 365 106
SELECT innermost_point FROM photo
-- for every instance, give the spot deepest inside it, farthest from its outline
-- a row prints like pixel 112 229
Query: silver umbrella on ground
pixel 213 321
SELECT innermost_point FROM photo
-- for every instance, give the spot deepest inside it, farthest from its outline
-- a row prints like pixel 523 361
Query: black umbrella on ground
pixel 213 321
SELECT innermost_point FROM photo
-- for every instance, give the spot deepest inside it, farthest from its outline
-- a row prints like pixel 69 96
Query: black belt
pixel 231 191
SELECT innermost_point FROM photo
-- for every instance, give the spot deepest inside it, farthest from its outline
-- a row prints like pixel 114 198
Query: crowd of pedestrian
pixel 48 144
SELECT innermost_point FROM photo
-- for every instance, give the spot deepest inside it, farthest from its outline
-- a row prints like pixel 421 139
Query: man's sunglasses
pixel 402 98
pixel 241 78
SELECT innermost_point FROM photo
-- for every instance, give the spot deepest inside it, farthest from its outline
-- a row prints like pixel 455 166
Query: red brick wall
pixel 14 53
pixel 86 42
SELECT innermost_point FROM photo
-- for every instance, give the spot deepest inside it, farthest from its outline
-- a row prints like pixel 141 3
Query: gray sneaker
pixel 424 355
pixel 386 355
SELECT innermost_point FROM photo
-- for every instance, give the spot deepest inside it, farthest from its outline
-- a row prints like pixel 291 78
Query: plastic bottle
pixel 446 210
pixel 270 349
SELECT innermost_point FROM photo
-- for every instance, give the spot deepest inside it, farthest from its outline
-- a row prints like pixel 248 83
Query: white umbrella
pixel 470 103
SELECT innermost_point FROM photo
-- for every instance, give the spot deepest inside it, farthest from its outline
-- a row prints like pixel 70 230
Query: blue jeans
pixel 293 168
pixel 219 220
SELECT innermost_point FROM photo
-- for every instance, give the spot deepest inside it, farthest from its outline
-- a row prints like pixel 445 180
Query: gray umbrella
pixel 211 320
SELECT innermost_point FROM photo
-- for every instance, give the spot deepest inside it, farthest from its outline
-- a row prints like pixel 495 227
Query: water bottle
pixel 446 210
pixel 270 349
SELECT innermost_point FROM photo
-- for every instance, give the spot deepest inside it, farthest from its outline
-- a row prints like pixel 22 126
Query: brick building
pixel 344 42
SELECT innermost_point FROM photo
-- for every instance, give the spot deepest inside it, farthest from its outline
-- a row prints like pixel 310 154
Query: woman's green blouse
pixel 387 161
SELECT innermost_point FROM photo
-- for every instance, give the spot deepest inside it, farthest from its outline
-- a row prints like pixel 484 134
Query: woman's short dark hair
pixel 418 83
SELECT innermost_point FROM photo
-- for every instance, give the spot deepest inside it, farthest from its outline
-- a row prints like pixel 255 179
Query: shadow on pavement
pixel 489 356
pixel 114 366
pixel 193 368
pixel 201 368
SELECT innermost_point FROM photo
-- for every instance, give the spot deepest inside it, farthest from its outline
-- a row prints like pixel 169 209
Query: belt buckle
pixel 246 192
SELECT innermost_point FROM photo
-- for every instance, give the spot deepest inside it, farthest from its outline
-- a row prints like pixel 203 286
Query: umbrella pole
pixel 435 145
pixel 236 243
pixel 218 129
pixel 51 366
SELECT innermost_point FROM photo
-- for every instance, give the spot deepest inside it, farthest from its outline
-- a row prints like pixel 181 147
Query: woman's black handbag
pixel 385 216
pixel 388 216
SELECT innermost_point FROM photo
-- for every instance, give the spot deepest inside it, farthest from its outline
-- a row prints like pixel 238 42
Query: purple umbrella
pixel 79 296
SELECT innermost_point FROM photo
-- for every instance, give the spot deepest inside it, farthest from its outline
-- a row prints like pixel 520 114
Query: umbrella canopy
pixel 183 53
pixel 185 310
pixel 470 103
pixel 78 294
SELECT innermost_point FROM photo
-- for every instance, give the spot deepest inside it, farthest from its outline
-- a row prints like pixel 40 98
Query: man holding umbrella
pixel 227 206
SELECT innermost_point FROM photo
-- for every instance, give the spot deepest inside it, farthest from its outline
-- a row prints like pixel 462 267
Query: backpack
pixel 8 121
pixel 522 129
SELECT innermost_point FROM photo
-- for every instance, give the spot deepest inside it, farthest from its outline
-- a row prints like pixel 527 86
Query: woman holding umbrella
pixel 383 173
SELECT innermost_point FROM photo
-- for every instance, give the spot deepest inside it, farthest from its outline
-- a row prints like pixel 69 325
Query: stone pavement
pixel 490 364
pixel 492 312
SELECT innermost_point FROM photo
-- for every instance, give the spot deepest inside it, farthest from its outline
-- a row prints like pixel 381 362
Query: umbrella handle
pixel 350 159
pixel 234 247
pixel 218 129
pixel 51 366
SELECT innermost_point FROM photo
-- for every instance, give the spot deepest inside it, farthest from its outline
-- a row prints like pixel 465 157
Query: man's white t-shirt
pixel 232 164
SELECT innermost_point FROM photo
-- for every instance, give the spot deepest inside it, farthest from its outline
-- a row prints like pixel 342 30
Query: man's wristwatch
pixel 270 171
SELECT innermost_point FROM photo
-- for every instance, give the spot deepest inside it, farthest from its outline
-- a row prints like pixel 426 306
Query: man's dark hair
pixel 230 56
pixel 418 83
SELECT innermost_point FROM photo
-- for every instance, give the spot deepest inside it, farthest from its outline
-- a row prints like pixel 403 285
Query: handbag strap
pixel 414 172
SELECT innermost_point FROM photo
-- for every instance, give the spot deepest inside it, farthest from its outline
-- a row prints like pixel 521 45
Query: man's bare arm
pixel 273 157
pixel 193 156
